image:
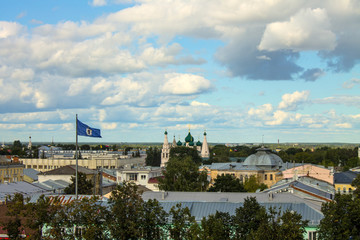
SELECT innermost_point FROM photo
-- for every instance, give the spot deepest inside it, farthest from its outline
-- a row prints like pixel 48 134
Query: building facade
pixel 202 148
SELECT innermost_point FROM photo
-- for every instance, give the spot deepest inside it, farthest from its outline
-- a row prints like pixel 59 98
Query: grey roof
pixel 32 173
pixel 263 157
pixel 68 170
pixel 233 166
pixel 345 177
pixel 203 209
pixel 24 188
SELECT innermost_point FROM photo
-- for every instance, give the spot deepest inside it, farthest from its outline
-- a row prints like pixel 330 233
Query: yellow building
pixel 11 172
pixel 343 180
pixel 264 165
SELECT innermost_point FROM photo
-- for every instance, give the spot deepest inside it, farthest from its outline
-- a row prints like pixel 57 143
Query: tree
pixel 183 152
pixel 85 186
pixel 356 183
pixel 227 183
pixel 252 184
pixel 248 218
pixel 341 218
pixel 39 214
pixel 15 210
pixel 153 157
pixel 154 220
pixel 183 224
pixel 182 174
pixel 125 215
pixel 217 226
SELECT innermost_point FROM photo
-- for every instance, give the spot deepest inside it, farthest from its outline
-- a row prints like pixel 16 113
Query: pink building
pixel 317 172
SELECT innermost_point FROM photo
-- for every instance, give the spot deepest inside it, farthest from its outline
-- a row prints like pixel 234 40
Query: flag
pixel 85 130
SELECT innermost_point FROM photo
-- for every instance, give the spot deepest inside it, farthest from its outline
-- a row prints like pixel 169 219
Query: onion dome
pixel 189 138
pixel 263 157
pixel 204 133
pixel 179 143
pixel 199 144
pixel 165 132
pixel 191 143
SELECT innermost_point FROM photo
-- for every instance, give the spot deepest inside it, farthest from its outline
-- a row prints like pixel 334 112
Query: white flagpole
pixel 76 154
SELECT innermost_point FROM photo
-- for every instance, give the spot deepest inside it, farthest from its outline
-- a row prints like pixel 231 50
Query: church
pixel 202 148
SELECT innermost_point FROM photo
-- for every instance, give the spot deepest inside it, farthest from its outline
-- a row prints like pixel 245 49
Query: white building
pixel 140 176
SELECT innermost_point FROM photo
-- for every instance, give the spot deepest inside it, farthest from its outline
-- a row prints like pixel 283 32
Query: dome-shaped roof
pixel 199 144
pixel 191 143
pixel 165 132
pixel 263 157
pixel 189 138
pixel 179 143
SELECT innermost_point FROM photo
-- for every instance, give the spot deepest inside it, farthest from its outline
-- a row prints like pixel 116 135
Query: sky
pixel 244 71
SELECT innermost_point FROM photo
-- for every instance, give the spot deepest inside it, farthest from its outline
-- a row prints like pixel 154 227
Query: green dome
pixel 189 138
pixel 204 133
pixel 165 132
pixel 198 144
pixel 191 143
pixel 179 143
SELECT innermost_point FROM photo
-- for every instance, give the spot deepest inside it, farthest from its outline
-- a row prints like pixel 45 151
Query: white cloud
pixel 184 84
pixel 77 86
pixel 98 3
pixel 23 74
pixel 196 104
pixel 279 117
pixel 261 112
pixel 351 83
pixel 9 29
pixel 108 126
pixel 12 126
pixel 291 101
pixel 343 125
pixel 308 30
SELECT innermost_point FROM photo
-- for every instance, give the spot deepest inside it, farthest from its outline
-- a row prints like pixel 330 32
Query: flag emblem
pixel 85 130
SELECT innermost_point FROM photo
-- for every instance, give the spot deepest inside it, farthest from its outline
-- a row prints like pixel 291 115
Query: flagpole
pixel 76 154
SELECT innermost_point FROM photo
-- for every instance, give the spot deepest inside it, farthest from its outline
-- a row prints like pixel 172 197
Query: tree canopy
pixel 182 174
pixel 226 183
pixel 85 186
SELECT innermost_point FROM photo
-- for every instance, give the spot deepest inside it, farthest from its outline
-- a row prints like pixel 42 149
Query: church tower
pixel 165 152
pixel 205 153
pixel 30 144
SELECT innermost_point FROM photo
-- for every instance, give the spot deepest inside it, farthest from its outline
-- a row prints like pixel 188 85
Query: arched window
pixel 265 177
pixel 271 177
pixel 344 190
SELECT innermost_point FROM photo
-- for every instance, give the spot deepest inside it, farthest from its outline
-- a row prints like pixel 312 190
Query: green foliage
pixel 183 152
pixel 154 221
pixel 227 183
pixel 341 218
pixel 183 224
pixel 356 183
pixel 85 186
pixel 217 226
pixel 248 218
pixel 153 157
pixel 182 174
pixel 252 184
pixel 16 207
pixel 125 212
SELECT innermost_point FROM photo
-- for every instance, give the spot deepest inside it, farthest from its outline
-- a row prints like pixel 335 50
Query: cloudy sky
pixel 242 70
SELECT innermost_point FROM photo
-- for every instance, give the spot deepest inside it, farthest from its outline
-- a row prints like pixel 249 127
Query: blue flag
pixel 85 130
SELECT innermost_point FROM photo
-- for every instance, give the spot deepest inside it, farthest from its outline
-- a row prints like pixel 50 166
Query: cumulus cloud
pixel 291 101
pixel 343 125
pixel 185 84
pixel 8 29
pixel 307 30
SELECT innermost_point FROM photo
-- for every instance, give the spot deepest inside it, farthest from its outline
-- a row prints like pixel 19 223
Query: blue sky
pixel 241 70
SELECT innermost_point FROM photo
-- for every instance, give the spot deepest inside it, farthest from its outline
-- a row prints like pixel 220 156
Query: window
pixel 265 177
pixel 143 177
pixel 312 235
pixel 344 190
pixel 339 190
pixel 133 176
pixel 350 190
pixel 271 177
